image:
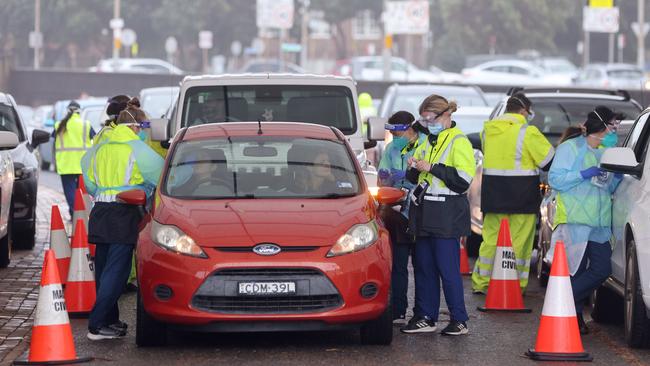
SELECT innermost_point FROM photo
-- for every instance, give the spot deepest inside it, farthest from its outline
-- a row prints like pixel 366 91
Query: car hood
pixel 247 222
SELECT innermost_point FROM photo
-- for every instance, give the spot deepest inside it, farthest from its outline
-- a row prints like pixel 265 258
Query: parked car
pixel 612 76
pixel 506 72
pixel 370 68
pixel 8 140
pixel 555 110
pixel 559 70
pixel 137 65
pixel 26 171
pixel 156 101
pixel 261 65
pixel 237 242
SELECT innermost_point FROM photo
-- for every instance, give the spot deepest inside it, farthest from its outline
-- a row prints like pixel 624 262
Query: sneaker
pixel 419 325
pixel 455 329
pixel 399 320
pixel 104 333
pixel 119 326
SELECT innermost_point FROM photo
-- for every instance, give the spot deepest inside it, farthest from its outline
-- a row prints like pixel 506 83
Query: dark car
pixel 26 169
pixel 555 110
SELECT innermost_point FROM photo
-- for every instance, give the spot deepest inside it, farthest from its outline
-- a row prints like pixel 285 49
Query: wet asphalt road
pixel 494 339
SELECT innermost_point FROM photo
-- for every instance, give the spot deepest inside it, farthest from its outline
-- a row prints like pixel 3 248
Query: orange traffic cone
pixel 504 292
pixel 558 337
pixel 80 290
pixel 464 261
pixel 60 243
pixel 80 213
pixel 87 200
pixel 52 342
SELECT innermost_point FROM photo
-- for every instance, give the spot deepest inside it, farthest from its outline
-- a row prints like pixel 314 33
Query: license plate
pixel 267 288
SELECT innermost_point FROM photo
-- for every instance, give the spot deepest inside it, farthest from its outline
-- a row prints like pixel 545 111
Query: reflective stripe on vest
pixel 435 188
pixel 84 141
pixel 519 153
pixel 108 197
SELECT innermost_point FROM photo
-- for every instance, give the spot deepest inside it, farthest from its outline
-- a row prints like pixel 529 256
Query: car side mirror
pixel 135 197
pixel 39 137
pixel 621 160
pixel 8 140
pixel 475 140
pixel 376 128
pixel 159 129
pixel 389 195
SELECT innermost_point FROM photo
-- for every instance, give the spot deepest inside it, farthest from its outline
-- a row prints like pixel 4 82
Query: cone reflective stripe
pixel 52 341
pixel 558 337
pixel 80 212
pixel 80 290
pixel 464 261
pixel 60 243
pixel 87 200
pixel 504 291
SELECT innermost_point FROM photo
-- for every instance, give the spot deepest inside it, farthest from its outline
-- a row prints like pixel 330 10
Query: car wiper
pixel 247 195
pixel 336 195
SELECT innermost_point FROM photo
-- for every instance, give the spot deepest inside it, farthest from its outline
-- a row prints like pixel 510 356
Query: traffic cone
pixel 87 200
pixel 558 337
pixel 52 342
pixel 60 243
pixel 464 261
pixel 80 289
pixel 80 212
pixel 504 292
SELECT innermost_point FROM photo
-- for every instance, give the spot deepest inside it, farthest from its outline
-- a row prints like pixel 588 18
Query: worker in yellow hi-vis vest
pixel 513 154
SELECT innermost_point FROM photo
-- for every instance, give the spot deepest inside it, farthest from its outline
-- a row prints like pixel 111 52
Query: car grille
pixel 315 292
pixel 287 249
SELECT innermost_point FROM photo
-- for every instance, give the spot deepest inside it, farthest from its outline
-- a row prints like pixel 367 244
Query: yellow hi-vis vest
pixel 71 145
pixel 513 153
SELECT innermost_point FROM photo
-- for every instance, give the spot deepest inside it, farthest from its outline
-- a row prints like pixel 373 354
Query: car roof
pixel 4 98
pixel 429 87
pixel 290 129
pixel 268 79
pixel 515 62
pixel 160 89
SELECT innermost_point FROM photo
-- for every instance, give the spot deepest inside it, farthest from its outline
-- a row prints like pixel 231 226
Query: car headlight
pixel 172 238
pixel 358 237
pixel 23 172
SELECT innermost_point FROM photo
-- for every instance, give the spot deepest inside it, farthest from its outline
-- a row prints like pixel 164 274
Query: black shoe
pixel 399 320
pixel 130 287
pixel 419 325
pixel 455 329
pixel 119 326
pixel 104 333
pixel 582 325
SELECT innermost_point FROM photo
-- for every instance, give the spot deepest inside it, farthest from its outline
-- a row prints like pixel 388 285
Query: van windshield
pixel 261 167
pixel 324 105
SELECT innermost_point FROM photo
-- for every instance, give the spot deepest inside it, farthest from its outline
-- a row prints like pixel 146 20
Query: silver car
pixel 612 76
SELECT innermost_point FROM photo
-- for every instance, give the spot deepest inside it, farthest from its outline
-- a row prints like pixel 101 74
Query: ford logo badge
pixel 267 249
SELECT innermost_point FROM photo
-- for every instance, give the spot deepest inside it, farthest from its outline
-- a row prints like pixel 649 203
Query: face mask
pixel 400 142
pixel 610 140
pixel 142 135
pixel 435 128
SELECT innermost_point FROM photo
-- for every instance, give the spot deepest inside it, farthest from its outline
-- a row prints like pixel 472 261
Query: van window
pixel 324 105
pixel 9 121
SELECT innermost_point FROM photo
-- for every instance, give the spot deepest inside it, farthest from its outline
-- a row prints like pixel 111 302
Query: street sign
pixel 275 14
pixel 116 23
pixel 601 3
pixel 406 17
pixel 171 45
pixel 291 47
pixel 638 31
pixel 205 40
pixel 600 20
pixel 128 37
pixel 236 48
pixel 35 39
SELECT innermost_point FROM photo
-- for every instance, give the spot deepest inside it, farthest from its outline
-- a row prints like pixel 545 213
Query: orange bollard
pixel 60 243
pixel 464 260
pixel 80 290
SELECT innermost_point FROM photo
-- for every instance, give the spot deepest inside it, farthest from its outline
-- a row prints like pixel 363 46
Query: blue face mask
pixel 400 142
pixel 435 129
pixel 610 140
pixel 142 135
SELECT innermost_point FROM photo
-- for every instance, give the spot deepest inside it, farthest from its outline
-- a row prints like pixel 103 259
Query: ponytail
pixel 64 122
pixel 571 133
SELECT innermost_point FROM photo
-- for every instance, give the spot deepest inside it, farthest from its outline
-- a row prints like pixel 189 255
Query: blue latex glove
pixel 383 174
pixel 397 174
pixel 590 172
pixel 618 175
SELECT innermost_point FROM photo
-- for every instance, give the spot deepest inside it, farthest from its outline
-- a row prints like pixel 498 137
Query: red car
pixel 263 227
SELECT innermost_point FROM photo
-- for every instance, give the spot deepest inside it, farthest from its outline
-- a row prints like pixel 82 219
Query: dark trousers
pixel 438 259
pixel 112 268
pixel 69 183
pixel 594 269
pixel 403 247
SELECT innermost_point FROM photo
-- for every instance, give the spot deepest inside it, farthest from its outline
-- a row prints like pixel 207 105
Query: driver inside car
pixel 212 110
pixel 203 172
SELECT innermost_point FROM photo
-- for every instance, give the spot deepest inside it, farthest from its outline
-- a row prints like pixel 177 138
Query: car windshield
pixel 9 120
pixel 553 116
pixel 157 104
pixel 324 105
pixel 261 167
